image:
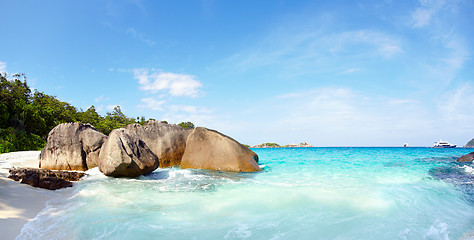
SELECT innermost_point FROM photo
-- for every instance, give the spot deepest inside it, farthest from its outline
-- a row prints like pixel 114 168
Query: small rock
pixel 31 179
pixel 466 158
pixel 44 178
pixel 52 183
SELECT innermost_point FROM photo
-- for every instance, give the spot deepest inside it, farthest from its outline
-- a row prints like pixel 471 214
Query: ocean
pixel 302 193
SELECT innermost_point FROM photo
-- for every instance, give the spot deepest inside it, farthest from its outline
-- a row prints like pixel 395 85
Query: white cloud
pixel 451 55
pixel 379 43
pixel 111 106
pixel 455 105
pixel 99 108
pixel 140 36
pixel 152 103
pixel 175 84
pixel 459 52
pixel 200 116
pixel 3 67
pixel 445 51
pixel 332 104
pixel 421 17
pixel 101 98
pixel 341 116
pixel 316 50
pixel 402 101
pixel 189 109
pixel 351 70
pixel 428 11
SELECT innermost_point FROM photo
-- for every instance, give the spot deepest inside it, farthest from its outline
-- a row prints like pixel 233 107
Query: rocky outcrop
pixel 466 158
pixel 276 145
pixel 209 149
pixel 267 145
pixel 301 145
pixel 125 155
pixel 140 149
pixel 470 144
pixel 44 178
pixel 166 141
pixel 72 146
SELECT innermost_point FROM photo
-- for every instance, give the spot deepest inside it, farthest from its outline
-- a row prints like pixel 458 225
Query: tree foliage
pixel 187 125
pixel 27 117
pixel 113 120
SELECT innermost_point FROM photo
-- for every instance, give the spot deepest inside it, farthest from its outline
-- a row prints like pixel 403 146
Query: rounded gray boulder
pixel 209 149
pixel 72 146
pixel 166 141
pixel 125 155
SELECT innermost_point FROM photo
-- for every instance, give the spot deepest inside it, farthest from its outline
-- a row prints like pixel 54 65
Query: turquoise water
pixel 302 193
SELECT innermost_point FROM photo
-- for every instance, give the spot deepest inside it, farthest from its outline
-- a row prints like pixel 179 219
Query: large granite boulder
pixel 209 149
pixel 72 146
pixel 125 155
pixel 466 158
pixel 166 141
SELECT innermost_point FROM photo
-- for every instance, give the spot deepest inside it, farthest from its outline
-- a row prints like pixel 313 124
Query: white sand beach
pixel 19 203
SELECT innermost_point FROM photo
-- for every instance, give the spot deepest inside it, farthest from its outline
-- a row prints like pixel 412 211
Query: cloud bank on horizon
pixel 341 73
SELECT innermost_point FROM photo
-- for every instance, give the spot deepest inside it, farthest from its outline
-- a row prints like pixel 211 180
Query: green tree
pixel 89 116
pixel 15 95
pixel 16 112
pixel 188 125
pixel 45 112
pixel 142 120
pixel 27 117
pixel 113 120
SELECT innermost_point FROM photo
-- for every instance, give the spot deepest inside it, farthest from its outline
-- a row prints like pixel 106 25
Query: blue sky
pixel 331 73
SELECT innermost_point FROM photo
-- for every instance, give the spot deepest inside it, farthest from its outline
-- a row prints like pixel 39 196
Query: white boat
pixel 443 144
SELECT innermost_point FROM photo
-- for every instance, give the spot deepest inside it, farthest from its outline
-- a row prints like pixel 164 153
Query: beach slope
pixel 19 203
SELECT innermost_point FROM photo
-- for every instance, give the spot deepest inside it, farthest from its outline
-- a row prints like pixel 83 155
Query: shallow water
pixel 302 193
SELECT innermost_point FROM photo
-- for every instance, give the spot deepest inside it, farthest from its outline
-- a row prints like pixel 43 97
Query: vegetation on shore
pixel 26 116
pixel 276 145
pixel 267 145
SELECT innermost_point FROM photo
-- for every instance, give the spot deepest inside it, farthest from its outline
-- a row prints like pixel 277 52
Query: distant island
pixel 470 144
pixel 276 145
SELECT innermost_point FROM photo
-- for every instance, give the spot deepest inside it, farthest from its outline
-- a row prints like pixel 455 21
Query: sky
pixel 330 73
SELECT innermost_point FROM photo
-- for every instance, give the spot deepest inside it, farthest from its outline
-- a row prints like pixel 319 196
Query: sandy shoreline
pixel 19 203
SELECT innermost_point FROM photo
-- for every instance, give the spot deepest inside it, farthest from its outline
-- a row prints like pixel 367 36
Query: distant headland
pixel 470 144
pixel 276 145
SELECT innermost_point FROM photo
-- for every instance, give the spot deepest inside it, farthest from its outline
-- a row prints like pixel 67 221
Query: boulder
pixel 125 155
pixel 53 183
pixel 166 141
pixel 209 149
pixel 31 178
pixel 466 158
pixel 44 178
pixel 19 173
pixel 72 146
